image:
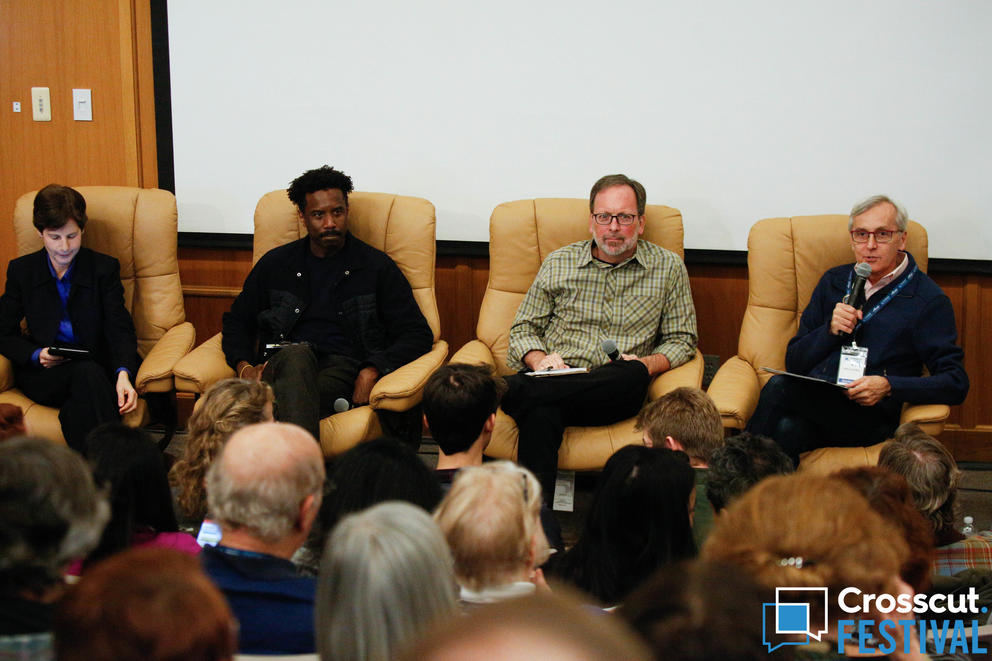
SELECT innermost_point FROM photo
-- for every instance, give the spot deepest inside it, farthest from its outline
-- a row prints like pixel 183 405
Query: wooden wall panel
pixel 65 45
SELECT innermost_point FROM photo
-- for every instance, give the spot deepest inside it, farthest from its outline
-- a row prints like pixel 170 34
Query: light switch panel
pixel 82 105
pixel 41 104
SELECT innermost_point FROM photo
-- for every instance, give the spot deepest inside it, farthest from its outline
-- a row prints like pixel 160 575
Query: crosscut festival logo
pixel 881 623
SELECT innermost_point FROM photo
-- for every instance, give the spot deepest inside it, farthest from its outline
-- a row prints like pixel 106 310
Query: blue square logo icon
pixel 792 618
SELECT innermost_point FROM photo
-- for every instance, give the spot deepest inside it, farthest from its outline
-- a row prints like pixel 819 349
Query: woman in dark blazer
pixel 69 296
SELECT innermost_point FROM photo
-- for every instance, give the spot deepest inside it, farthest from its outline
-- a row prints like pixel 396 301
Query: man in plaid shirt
pixel 613 286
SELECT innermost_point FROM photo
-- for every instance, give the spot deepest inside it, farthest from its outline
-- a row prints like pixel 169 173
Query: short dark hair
pixel 611 180
pixel 457 400
pixel 323 178
pixel 56 205
pixel 743 461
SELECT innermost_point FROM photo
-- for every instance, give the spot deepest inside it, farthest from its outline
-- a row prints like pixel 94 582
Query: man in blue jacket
pixel 878 350
pixel 341 311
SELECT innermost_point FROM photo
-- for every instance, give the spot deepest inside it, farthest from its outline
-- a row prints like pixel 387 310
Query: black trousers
pixel 81 389
pixel 543 407
pixel 306 386
pixel 804 415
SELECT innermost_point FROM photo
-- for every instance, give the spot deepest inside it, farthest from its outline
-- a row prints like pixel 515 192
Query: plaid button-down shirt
pixel 643 304
pixel 973 552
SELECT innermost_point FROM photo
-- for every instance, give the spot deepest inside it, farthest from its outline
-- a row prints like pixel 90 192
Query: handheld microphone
pixel 610 349
pixel 341 404
pixel 856 299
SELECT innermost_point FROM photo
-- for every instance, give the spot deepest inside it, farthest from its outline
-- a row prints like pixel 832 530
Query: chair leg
pixel 162 409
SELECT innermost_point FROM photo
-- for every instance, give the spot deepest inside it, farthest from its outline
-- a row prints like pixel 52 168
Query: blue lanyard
pixel 885 301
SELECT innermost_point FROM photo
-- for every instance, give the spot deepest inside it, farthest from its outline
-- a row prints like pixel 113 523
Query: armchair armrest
pixel 400 390
pixel 475 352
pixel 6 374
pixel 930 417
pixel 689 375
pixel 201 367
pixel 155 372
pixel 735 389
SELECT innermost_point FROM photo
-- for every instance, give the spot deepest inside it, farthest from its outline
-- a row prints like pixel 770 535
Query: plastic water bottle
pixel 969 526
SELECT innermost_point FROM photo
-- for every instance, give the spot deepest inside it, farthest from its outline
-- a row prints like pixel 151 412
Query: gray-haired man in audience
pixel 264 490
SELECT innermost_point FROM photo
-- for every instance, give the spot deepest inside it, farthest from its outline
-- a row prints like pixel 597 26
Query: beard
pixel 614 251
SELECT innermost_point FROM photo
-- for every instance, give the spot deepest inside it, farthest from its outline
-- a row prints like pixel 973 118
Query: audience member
pixel 743 461
pixel 460 403
pixel 687 419
pixel 386 576
pixel 551 627
pixel 225 407
pixel 815 532
pixel 700 611
pixel 11 422
pixel 264 490
pixel 93 389
pixel 369 473
pixel 491 520
pixel 933 475
pixel 150 604
pixel 51 513
pixel 639 520
pixel 128 464
pixel 888 494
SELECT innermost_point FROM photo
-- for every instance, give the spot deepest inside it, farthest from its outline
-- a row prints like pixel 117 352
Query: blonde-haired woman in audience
pixel 226 407
pixel 809 531
pixel 491 518
pixel 385 578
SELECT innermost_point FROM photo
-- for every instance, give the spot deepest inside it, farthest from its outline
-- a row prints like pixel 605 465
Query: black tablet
pixel 69 352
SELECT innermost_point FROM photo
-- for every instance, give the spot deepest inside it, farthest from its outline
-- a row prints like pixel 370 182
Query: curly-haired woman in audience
pixel 386 576
pixel 639 520
pixel 226 407
pixel 491 519
pixel 816 532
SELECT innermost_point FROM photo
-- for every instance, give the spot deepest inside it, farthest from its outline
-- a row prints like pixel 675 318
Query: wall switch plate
pixel 17 106
pixel 82 105
pixel 41 104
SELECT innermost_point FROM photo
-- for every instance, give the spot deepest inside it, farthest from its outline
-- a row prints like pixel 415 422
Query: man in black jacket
pixel 339 312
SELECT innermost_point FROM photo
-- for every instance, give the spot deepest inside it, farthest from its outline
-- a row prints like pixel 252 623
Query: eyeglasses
pixel 607 218
pixel 881 236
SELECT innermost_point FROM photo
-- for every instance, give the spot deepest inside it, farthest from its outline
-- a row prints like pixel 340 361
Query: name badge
pixel 853 360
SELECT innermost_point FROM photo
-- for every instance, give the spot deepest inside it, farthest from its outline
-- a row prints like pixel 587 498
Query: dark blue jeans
pixel 804 415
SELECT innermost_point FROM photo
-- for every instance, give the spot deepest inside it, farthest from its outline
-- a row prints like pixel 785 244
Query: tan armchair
pixel 786 258
pixel 138 227
pixel 403 228
pixel 521 235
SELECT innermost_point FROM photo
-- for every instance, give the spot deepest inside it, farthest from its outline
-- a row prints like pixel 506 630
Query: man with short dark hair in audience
pixel 686 419
pixel 613 286
pixel 342 311
pixel 265 490
pixel 459 404
pixel 742 462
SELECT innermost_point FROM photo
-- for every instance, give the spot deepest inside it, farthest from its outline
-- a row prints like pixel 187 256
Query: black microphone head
pixel 341 404
pixel 862 269
pixel 610 349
